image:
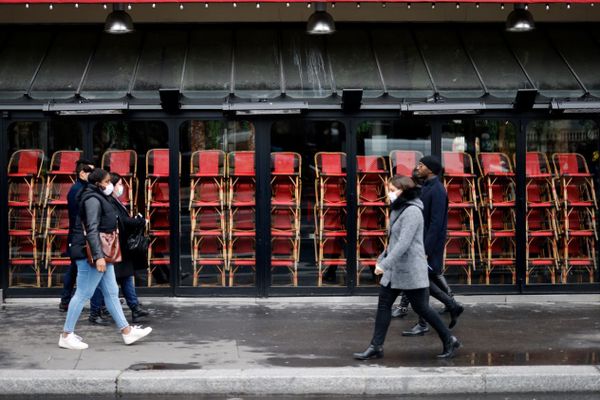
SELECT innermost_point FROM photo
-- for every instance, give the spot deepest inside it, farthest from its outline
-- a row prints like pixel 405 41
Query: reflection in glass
pixel 41 170
pixel 218 204
pixel 480 181
pixel 138 151
pixel 308 204
pixel 562 177
pixel 384 148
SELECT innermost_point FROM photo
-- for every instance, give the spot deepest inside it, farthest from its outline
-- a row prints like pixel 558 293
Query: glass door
pixel 308 204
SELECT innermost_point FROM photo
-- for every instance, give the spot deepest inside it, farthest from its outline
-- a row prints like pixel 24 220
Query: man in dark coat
pixel 82 169
pixel 435 215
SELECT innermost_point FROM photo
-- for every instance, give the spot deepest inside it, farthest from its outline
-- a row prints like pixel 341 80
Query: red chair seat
pixel 210 261
pixel 541 233
pixel 459 175
pixel 60 262
pixel 21 261
pixel 243 233
pixel 208 232
pixel 18 204
pixel 160 233
pixel 578 262
pixel 584 233
pixel 461 205
pixel 540 261
pixel 497 234
pixel 459 234
pixel 584 203
pixel 502 261
pixel 458 261
pixel 373 233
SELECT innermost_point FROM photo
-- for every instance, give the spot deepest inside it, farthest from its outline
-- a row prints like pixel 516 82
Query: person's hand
pixel 101 265
pixel 378 270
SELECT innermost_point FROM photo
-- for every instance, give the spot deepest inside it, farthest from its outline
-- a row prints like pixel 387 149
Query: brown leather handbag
pixel 110 247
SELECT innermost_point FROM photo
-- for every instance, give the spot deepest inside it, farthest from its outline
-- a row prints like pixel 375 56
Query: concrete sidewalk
pixel 299 346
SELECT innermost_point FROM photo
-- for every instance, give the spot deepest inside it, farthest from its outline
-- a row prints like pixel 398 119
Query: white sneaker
pixel 71 342
pixel 135 334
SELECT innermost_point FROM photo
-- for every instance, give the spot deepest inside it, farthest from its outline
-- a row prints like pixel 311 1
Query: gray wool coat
pixel 404 262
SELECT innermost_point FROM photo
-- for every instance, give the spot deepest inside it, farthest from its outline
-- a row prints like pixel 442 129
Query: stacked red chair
pixel 124 163
pixel 330 212
pixel 59 179
pixel 286 170
pixel 578 204
pixel 241 201
pixel 24 169
pixel 459 181
pixel 157 209
pixel 496 213
pixel 404 162
pixel 542 231
pixel 373 216
pixel 207 209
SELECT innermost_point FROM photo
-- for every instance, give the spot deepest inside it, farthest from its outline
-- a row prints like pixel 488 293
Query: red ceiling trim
pixel 292 1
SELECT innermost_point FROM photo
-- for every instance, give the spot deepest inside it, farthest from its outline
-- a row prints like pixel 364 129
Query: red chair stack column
pixel 207 211
pixel 157 209
pixel 285 211
pixel 459 180
pixel 59 179
pixel 372 211
pixel 241 210
pixel 330 212
pixel 542 231
pixel 496 213
pixel 124 163
pixel 578 208
pixel 24 168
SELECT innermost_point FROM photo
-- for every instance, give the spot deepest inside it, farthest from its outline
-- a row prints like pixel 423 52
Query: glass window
pixel 352 57
pixel 401 64
pixel 543 64
pixel 41 168
pixel 452 71
pixel 218 229
pixel 208 66
pixel 111 70
pixel 63 68
pixel 19 59
pixel 498 68
pixel 384 148
pixel 161 63
pixel 305 65
pixel 480 180
pixel 139 152
pixel 257 67
pixel 308 203
pixel 563 167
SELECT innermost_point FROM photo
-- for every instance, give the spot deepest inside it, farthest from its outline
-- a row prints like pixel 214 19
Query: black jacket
pixel 97 215
pixel 127 226
pixel 73 205
pixel 435 214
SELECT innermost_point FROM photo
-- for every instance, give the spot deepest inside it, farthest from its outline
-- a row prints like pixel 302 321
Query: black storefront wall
pixel 404 71
pixel 263 251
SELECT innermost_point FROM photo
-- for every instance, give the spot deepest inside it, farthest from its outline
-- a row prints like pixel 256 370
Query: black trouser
pixel 418 299
pixel 439 290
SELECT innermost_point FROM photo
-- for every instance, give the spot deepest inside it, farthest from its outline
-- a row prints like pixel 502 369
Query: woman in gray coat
pixel 403 266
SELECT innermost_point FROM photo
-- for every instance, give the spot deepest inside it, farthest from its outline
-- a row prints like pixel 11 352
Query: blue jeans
pixel 128 289
pixel 88 279
pixel 69 284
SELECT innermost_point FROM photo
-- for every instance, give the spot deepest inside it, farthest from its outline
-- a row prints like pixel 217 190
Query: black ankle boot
pixel 96 318
pixel 455 312
pixel 138 312
pixel 417 330
pixel 370 352
pixel 450 348
pixel 399 312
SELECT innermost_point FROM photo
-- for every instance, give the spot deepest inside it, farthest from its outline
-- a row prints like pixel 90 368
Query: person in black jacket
pixel 435 214
pixel 125 269
pixel 83 168
pixel 96 216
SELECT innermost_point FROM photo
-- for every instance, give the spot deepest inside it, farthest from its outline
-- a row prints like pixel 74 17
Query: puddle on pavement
pixel 162 366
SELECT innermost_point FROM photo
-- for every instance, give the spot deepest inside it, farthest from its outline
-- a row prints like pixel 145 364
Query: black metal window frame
pixel 262 125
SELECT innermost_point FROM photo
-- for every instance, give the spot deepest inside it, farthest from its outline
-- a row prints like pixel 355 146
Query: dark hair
pixel 97 175
pixel 402 182
pixel 115 178
pixel 83 165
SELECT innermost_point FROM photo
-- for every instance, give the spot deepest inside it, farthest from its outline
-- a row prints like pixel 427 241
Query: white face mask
pixel 108 189
pixel 392 196
pixel 119 190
